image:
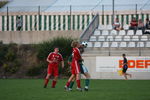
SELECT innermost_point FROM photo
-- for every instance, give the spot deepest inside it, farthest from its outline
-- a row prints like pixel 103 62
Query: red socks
pixel 54 83
pixel 68 84
pixel 46 81
pixel 78 83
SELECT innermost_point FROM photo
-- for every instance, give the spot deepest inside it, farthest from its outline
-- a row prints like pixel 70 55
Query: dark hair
pixel 56 47
pixel 123 54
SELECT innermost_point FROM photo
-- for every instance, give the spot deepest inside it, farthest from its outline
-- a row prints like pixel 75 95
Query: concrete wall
pixel 34 37
pixel 90 63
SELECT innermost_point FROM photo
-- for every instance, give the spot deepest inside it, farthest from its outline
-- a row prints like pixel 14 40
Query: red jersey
pixel 76 54
pixel 56 57
pixel 134 23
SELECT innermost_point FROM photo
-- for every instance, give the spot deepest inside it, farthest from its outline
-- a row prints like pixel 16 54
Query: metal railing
pixel 90 29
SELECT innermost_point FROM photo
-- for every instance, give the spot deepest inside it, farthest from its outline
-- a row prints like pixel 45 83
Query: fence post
pixel 7 20
pixel 70 17
pixel 113 10
pixel 102 14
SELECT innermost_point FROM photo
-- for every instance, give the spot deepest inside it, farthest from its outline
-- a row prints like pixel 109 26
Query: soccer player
pixel 83 70
pixel 75 67
pixel 54 58
pixel 125 67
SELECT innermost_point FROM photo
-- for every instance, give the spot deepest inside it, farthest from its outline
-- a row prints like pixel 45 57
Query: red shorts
pixel 75 67
pixel 52 69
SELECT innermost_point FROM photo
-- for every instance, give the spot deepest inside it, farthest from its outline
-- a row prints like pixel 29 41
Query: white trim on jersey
pixel 76 65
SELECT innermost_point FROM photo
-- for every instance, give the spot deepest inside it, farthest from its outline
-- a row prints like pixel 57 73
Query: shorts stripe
pixel 76 67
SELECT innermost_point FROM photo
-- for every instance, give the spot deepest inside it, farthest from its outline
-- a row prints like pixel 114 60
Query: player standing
pixel 75 67
pixel 83 70
pixel 125 67
pixel 54 58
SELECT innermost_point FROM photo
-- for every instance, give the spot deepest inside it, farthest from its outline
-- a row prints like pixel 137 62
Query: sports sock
pixel 71 84
pixel 54 83
pixel 68 84
pixel 87 82
pixel 78 83
pixel 46 82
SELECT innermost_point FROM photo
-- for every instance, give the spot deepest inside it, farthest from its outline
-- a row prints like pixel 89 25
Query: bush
pixel 11 67
pixel 36 70
pixel 64 45
pixel 46 47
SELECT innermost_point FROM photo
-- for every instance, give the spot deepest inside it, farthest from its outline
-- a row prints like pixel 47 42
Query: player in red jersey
pixel 76 56
pixel 54 58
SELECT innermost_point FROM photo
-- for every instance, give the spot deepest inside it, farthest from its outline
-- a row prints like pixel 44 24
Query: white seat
pixel 101 38
pixel 127 38
pixel 130 32
pixel 109 27
pixel 144 38
pixel 105 32
pixel 97 32
pixel 123 44
pixel 139 32
pixel 113 32
pixel 122 32
pixel 102 27
pixel 118 38
pixel 140 44
pixel 135 38
pixel 97 44
pixel 131 44
pixel 147 44
pixel 105 44
pixel 126 27
pixel 92 38
pixel 89 44
pixel 109 38
pixel 114 44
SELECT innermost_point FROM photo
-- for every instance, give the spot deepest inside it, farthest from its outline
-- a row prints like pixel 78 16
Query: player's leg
pixel 129 75
pixel 69 81
pixel 49 72
pixel 124 73
pixel 87 76
pixel 46 80
pixel 87 81
pixel 55 70
pixel 78 82
pixel 54 81
pixel 71 84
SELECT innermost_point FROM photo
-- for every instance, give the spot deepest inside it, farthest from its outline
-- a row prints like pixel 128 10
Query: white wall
pixel 33 37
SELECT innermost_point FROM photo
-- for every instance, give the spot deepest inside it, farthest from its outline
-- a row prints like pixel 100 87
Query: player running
pixel 54 58
pixel 125 67
pixel 75 67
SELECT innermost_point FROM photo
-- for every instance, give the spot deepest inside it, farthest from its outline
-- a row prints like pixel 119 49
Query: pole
pixel 70 17
pixel 102 14
pixel 113 11
pixel 7 20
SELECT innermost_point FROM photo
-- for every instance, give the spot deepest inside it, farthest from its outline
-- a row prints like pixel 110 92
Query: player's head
pixel 75 44
pixel 123 55
pixel 56 49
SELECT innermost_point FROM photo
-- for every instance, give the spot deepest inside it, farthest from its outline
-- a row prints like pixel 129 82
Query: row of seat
pixel 118 44
pixel 119 38
pixel 121 32
pixel 110 27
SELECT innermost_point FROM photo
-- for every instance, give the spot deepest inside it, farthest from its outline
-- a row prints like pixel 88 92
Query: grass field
pixel 32 89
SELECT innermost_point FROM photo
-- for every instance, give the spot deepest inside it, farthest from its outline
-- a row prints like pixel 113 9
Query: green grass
pixel 32 89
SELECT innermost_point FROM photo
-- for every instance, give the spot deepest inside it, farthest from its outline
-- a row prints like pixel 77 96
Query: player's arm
pixel 62 64
pixel 48 58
